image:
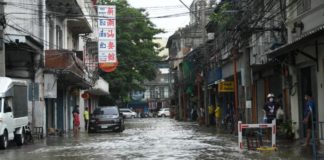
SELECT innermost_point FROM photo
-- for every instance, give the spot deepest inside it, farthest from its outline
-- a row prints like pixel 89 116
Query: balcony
pixel 68 67
pixel 72 11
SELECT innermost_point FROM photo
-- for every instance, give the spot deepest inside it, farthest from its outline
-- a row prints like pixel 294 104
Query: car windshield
pixel 125 110
pixel 106 111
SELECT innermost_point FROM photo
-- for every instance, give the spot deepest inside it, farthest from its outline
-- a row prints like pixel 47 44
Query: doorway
pixel 308 84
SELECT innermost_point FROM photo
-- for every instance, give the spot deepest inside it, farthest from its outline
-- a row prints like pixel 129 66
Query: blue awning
pixel 214 75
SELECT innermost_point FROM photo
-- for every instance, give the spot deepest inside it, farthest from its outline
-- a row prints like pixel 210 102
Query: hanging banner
pixel 107 34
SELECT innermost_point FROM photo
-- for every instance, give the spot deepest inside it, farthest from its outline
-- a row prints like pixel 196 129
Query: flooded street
pixel 152 138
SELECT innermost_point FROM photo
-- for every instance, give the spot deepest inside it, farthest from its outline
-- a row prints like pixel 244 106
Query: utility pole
pixel 2 45
pixel 203 4
pixel 234 53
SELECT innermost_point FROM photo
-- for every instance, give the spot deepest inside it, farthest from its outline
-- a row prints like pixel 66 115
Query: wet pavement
pixel 151 139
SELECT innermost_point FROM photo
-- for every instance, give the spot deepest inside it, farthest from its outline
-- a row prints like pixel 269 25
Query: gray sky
pixel 157 8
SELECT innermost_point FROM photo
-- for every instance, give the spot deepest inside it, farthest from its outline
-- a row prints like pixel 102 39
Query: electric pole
pixel 203 4
pixel 2 45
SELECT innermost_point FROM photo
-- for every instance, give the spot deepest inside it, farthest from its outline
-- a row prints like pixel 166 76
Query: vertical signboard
pixel 107 34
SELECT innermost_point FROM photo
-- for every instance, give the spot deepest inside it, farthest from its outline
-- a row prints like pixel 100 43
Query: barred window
pixel 303 6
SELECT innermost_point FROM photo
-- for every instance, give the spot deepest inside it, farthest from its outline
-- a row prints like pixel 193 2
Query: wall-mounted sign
pixel 226 86
pixel 107 34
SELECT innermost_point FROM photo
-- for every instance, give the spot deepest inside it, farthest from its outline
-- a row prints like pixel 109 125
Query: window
pixel 303 6
pixel 59 37
pixel 124 110
pixel 106 111
pixel 161 92
pixel 7 105
pixel 152 92
pixel 51 34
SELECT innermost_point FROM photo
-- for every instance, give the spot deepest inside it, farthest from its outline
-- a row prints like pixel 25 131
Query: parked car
pixel 106 118
pixel 164 112
pixel 127 113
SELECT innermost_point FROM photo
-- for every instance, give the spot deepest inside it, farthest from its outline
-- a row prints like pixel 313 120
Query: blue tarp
pixel 214 75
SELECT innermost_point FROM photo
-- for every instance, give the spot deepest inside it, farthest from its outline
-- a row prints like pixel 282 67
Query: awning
pixel 302 40
pixel 101 87
pixel 79 25
pixel 214 75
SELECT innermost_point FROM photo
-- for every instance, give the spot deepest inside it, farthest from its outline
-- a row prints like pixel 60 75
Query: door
pixel 308 84
pixel 71 104
pixel 60 111
pixel 8 116
pixel 260 99
pixel 50 113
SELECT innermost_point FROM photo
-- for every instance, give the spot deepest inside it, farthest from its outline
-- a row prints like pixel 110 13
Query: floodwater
pixel 144 139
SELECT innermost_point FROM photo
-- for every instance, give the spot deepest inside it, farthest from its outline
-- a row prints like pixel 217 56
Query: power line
pixel 58 13
pixel 258 21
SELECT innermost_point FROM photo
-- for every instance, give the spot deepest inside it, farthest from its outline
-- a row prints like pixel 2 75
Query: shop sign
pixel 226 86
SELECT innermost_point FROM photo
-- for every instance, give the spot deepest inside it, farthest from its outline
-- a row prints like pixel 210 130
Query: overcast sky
pixel 157 8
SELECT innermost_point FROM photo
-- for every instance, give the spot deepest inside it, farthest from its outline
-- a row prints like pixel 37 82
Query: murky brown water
pixel 151 139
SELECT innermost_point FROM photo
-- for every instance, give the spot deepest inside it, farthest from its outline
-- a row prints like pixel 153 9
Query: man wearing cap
pixel 270 108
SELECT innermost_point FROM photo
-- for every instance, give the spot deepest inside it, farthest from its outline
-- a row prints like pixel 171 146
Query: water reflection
pixel 152 139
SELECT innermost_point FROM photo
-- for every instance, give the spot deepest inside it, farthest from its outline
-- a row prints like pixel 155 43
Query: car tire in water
pixel 121 127
pixel 91 130
pixel 20 138
pixel 133 117
pixel 4 141
pixel 163 115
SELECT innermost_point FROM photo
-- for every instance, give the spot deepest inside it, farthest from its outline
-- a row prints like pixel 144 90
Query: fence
pixel 244 126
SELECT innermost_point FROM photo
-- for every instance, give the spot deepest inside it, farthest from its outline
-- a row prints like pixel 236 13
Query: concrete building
pixel 50 45
pixel 71 59
pixel 303 59
pixel 23 38
pixel 185 54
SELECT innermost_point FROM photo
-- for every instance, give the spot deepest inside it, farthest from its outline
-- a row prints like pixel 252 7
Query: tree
pixel 136 51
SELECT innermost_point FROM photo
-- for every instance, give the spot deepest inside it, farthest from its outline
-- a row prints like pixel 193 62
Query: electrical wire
pixel 257 22
pixel 95 16
pixel 166 16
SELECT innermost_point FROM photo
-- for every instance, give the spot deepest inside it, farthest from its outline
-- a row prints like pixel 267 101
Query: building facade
pixel 260 47
pixel 53 46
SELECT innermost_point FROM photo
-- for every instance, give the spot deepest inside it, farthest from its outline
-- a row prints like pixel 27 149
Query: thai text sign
pixel 226 86
pixel 107 34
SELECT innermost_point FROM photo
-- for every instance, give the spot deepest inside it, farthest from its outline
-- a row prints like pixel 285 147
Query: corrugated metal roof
pixel 313 34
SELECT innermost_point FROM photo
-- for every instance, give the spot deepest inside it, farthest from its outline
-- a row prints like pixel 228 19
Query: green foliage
pixel 286 130
pixel 136 51
pixel 222 17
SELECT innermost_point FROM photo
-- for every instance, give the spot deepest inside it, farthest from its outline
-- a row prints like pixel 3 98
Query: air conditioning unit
pixel 211 36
